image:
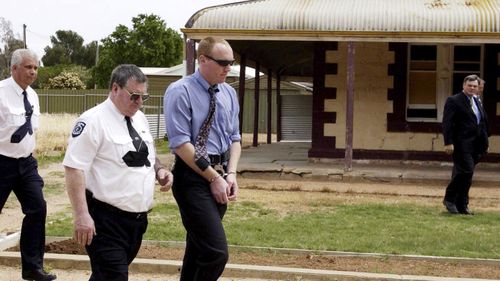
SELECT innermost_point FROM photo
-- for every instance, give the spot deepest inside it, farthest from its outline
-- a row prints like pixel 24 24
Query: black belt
pixel 219 159
pixel 103 205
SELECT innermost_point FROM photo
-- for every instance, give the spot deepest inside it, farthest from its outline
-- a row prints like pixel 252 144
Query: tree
pixel 148 43
pixel 10 45
pixel 65 45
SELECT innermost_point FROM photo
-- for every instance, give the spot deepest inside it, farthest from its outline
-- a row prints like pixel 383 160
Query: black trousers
pixel 116 243
pixel 457 190
pixel 21 176
pixel 206 252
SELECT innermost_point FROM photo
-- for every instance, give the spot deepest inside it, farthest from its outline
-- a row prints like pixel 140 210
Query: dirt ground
pixel 264 191
pixel 313 261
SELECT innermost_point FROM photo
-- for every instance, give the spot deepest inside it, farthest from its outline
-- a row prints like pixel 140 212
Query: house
pixel 381 70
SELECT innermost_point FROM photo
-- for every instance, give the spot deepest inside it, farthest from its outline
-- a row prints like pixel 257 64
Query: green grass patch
pixel 53 188
pixel 161 146
pixel 377 228
pixel 60 224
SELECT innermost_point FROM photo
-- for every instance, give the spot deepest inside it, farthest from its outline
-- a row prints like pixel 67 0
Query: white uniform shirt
pixel 13 116
pixel 97 144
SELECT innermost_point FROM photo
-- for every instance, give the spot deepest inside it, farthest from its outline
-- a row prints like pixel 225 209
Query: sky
pixel 91 19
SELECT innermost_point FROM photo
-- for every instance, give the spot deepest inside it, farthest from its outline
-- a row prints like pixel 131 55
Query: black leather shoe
pixel 465 211
pixel 38 275
pixel 451 207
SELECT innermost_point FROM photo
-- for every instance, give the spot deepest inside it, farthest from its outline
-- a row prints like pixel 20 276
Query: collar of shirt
pixel 199 78
pixel 16 87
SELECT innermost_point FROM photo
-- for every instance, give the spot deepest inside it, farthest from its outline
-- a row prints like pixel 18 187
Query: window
pixel 466 60
pixel 434 73
pixel 422 82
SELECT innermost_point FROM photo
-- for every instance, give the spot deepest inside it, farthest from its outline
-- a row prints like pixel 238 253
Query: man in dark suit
pixel 466 138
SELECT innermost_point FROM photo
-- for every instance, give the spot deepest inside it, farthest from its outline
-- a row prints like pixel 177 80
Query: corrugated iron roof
pixel 353 15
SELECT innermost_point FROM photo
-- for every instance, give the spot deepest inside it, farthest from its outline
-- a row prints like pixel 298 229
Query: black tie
pixel 136 139
pixel 20 133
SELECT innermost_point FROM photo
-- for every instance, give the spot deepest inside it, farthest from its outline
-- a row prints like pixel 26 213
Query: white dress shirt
pixel 13 116
pixel 97 144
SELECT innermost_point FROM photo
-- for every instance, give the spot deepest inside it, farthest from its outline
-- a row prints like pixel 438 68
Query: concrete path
pixel 75 267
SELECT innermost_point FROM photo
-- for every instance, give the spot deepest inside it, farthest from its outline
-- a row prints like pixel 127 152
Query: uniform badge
pixel 78 129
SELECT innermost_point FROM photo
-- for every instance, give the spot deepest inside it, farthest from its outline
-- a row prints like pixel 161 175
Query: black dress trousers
pixel 206 252
pixel 21 176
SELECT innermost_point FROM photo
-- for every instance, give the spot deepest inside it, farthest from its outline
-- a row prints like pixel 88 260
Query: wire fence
pixel 78 101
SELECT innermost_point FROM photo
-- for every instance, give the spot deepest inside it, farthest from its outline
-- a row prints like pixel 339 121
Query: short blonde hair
pixel 206 45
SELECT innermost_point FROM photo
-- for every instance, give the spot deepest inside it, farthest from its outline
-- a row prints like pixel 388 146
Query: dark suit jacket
pixel 460 126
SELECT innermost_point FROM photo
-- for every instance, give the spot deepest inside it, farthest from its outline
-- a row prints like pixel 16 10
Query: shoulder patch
pixel 78 129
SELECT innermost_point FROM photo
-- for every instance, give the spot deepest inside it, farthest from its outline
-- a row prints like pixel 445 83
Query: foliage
pixel 148 43
pixel 66 80
pixel 47 72
pixel 11 43
pixel 67 48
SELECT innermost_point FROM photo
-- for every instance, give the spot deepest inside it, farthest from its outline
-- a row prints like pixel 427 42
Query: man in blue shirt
pixel 201 113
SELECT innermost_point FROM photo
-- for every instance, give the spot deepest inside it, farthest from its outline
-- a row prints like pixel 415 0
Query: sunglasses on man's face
pixel 222 63
pixel 136 96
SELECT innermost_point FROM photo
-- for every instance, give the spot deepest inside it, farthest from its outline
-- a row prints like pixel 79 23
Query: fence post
pixel 158 119
pixel 84 102
pixel 47 102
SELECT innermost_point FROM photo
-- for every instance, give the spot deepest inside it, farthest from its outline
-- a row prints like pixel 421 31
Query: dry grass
pixel 52 136
pixel 53 133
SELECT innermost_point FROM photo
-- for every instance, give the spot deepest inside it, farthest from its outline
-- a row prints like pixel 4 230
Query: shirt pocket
pixel 121 145
pixel 16 117
pixel 148 140
pixel 35 120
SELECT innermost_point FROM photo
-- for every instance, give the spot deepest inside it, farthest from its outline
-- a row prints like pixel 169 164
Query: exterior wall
pixel 372 105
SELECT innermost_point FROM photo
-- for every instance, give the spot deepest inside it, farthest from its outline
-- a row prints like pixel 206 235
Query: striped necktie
pixel 201 154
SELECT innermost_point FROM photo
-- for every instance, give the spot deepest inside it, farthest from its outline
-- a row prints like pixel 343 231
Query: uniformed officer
pixel 201 112
pixel 110 167
pixel 19 117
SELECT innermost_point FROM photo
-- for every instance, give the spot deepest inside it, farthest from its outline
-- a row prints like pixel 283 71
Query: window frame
pixel 444 75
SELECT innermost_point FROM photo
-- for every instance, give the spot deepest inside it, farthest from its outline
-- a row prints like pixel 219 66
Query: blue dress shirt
pixel 186 105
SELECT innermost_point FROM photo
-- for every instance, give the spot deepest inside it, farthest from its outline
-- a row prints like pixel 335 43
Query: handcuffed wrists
pixel 214 178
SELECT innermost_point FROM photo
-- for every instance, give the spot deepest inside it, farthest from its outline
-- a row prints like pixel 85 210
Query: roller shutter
pixel 296 117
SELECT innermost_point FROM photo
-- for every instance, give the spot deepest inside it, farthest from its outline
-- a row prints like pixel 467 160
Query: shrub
pixel 66 80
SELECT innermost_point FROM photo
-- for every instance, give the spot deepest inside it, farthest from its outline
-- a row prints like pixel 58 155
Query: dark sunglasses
pixel 222 63
pixel 136 96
